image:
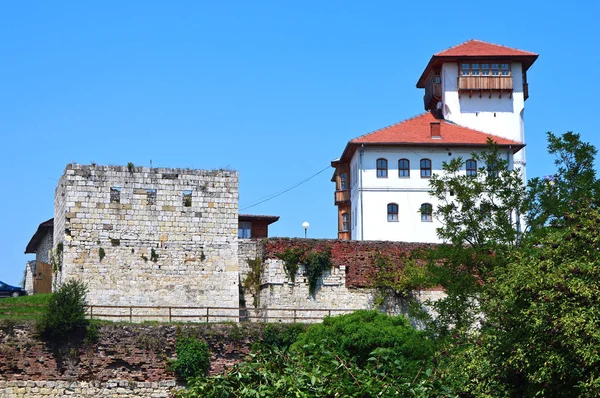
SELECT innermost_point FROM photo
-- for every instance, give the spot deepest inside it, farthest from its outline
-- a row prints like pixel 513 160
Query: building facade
pixel 473 91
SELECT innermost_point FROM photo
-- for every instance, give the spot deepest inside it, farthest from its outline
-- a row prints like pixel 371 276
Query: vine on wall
pixel 252 281
pixel 56 256
pixel 315 263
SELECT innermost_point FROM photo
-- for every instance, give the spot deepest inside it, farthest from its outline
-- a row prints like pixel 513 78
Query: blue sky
pixel 271 89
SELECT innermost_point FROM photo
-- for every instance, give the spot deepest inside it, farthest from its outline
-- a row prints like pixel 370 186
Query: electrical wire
pixel 274 195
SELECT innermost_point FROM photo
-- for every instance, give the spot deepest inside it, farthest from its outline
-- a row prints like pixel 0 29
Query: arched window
pixel 403 168
pixel 392 209
pixel 426 212
pixel 382 168
pixel 471 167
pixel 345 222
pixel 425 168
pixel 344 181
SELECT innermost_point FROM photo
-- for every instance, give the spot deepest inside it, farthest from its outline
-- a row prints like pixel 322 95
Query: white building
pixel 473 91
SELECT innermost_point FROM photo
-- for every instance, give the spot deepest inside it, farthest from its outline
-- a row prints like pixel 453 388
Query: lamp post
pixel 305 225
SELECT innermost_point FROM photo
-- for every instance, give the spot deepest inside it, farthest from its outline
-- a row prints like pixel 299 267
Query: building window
pixel 150 196
pixel 392 210
pixel 471 167
pixel 244 229
pixel 344 181
pixel 382 168
pixel 345 222
pixel 425 168
pixel 426 211
pixel 115 195
pixel 403 168
pixel 187 199
pixel 477 69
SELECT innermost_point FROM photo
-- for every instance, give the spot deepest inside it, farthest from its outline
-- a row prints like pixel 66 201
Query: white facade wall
pixel 409 193
pixel 502 117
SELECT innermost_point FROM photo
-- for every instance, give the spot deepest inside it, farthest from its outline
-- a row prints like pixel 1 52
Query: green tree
pixel 573 186
pixel 66 311
pixel 542 328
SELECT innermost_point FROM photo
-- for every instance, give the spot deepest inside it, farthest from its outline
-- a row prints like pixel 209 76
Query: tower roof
pixel 480 50
pixel 426 130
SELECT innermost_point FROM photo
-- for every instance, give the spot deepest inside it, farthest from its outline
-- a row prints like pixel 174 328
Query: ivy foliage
pixel 315 264
pixel 252 281
pixel 291 262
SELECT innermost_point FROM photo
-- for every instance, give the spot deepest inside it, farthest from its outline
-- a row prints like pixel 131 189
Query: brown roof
pixel 43 229
pixel 416 131
pixel 256 217
pixel 481 50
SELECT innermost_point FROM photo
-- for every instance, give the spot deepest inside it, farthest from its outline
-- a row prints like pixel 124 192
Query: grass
pixel 24 307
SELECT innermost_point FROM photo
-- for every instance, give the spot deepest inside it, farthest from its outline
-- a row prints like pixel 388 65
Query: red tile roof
pixel 416 131
pixel 476 48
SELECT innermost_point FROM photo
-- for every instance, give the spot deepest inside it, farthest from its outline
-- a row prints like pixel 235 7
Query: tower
pixel 482 86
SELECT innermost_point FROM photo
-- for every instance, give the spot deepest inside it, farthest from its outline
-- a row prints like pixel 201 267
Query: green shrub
pixel 193 358
pixel 282 335
pixel 398 363
pixel 66 311
pixel 357 335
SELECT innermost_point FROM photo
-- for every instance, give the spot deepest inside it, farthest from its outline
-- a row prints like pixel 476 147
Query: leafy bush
pixel 355 336
pixel 193 357
pixel 66 311
pixel 395 360
pixel 282 335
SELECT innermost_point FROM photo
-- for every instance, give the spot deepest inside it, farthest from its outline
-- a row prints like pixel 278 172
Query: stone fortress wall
pixel 346 286
pixel 149 236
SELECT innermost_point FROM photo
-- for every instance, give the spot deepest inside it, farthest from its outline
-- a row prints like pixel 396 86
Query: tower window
pixel 150 196
pixel 471 167
pixel 477 69
pixel 187 198
pixel 344 181
pixel 382 168
pixel 392 212
pixel 115 195
pixel 403 168
pixel 426 212
pixel 425 168
pixel 345 222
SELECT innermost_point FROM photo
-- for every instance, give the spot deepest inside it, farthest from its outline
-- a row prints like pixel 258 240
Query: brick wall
pixel 357 257
pixel 126 357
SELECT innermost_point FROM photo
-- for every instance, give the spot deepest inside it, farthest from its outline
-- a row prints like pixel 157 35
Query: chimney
pixel 436 131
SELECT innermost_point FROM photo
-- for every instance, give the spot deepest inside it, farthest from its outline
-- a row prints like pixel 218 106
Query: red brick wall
pixel 357 256
pixel 128 352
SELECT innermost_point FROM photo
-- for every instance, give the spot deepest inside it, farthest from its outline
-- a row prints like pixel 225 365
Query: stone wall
pixel 111 388
pixel 346 286
pixel 149 236
pixel 29 272
pixel 43 250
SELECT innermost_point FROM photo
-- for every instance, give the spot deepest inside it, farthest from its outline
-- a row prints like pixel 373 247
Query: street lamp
pixel 305 225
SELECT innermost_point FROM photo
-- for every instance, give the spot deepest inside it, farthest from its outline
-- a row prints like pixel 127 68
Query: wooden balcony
pixel 433 94
pixel 485 83
pixel 342 196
